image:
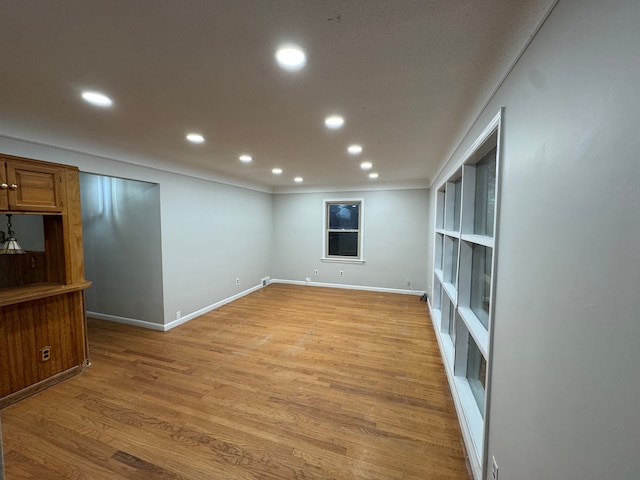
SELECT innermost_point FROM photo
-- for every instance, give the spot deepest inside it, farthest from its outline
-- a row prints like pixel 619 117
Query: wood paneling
pixel 57 322
pixel 289 382
pixel 18 270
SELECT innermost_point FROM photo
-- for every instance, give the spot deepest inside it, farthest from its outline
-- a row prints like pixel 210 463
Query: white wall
pixel 212 233
pixel 395 239
pixel 565 375
pixel 122 255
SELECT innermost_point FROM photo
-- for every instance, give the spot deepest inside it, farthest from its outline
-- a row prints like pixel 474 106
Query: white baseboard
pixel 348 287
pixel 126 321
pixel 213 306
pixel 184 319
pixel 163 328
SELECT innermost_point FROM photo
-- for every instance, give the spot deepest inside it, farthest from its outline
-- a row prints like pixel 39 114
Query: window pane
pixel 452 325
pixel 481 282
pixel 344 216
pixel 485 195
pixel 457 206
pixel 476 373
pixel 344 244
pixel 454 261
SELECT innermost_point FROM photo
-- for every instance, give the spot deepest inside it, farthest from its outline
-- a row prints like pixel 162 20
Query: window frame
pixel 326 203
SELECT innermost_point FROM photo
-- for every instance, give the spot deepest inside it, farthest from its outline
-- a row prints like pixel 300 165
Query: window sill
pixel 341 260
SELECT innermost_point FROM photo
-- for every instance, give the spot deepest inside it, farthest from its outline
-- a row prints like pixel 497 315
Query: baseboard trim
pixel 211 307
pixel 126 321
pixel 168 326
pixel 348 287
pixel 184 319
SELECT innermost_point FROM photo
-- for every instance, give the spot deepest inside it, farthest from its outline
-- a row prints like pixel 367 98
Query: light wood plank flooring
pixel 289 382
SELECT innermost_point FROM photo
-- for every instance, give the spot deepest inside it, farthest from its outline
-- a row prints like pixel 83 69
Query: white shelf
pixel 476 329
pixel 439 275
pixel 464 266
pixel 450 290
pixel 478 239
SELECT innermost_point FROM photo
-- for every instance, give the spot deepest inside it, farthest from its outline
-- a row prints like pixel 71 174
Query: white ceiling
pixel 407 75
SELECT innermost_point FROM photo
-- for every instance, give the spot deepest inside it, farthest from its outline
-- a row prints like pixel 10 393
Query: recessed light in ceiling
pixel 195 138
pixel 298 179
pixel 96 98
pixel 334 121
pixel 354 149
pixel 245 158
pixel 291 57
pixel 373 175
pixel 276 171
pixel 366 165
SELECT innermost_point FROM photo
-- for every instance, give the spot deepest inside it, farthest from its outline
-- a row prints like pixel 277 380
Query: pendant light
pixel 10 246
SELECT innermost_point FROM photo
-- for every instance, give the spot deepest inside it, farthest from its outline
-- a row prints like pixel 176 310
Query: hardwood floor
pixel 289 382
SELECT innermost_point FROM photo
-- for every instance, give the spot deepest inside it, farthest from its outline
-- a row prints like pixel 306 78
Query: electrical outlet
pixel 341 273
pixel 178 315
pixel 494 468
pixel 316 272
pixel 45 353
pixel 237 281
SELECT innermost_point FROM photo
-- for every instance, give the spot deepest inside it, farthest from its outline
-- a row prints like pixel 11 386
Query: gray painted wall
pixel 395 239
pixel 565 377
pixel 211 233
pixel 122 253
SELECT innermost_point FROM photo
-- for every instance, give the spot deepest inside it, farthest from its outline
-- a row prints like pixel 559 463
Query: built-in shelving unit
pixel 463 283
pixel 42 311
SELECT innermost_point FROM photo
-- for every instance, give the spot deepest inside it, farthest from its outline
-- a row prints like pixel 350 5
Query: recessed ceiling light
pixel 276 171
pixel 298 179
pixel 334 121
pixel 366 165
pixel 291 57
pixel 373 175
pixel 96 98
pixel 195 138
pixel 354 149
pixel 245 158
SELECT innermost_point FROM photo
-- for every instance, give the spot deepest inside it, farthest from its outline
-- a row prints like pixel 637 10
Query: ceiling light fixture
pixel 195 138
pixel 366 165
pixel 245 158
pixel 96 98
pixel 334 121
pixel 298 179
pixel 354 149
pixel 291 57
pixel 374 175
pixel 10 246
pixel 276 171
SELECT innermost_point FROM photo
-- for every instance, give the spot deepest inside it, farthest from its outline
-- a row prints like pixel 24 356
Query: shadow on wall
pixel 122 247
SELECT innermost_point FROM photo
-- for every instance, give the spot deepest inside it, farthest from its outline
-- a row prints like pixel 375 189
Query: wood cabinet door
pixel 4 188
pixel 34 187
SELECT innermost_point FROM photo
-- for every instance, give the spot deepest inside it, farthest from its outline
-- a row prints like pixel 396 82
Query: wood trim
pixel 10 296
pixel 44 384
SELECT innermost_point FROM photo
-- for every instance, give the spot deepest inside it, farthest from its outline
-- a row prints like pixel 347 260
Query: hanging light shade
pixel 11 245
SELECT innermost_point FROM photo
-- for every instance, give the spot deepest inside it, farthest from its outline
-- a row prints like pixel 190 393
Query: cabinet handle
pixel 13 186
pixel 3 185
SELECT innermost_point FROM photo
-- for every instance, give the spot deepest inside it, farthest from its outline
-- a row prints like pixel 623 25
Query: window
pixel 463 281
pixel 343 230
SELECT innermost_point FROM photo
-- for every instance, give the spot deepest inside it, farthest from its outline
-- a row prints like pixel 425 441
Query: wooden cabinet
pixel 42 314
pixel 30 186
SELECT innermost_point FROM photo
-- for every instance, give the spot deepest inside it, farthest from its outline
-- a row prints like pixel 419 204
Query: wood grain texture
pixel 55 321
pixel 289 382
